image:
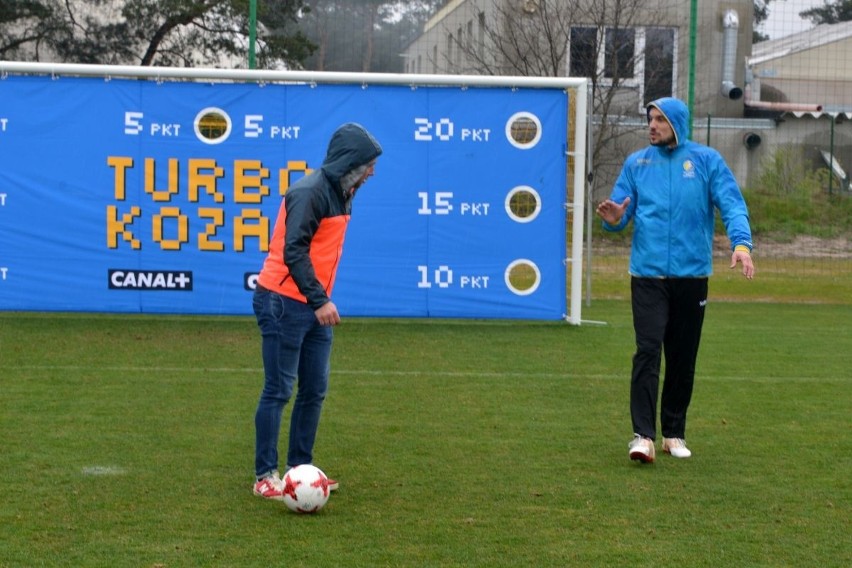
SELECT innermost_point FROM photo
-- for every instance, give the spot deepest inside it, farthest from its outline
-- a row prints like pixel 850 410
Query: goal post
pixel 164 183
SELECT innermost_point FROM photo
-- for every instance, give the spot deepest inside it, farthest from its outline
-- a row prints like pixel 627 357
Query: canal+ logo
pixel 166 280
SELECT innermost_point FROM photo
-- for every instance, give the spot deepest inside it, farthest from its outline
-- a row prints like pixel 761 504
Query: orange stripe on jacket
pixel 325 252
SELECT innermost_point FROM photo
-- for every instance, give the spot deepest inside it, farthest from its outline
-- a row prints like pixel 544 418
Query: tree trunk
pixel 369 27
pixel 164 30
pixel 321 35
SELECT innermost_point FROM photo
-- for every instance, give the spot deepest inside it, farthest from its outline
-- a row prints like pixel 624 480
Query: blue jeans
pixel 295 347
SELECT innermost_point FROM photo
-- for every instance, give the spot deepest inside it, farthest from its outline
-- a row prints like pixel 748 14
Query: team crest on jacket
pixel 688 169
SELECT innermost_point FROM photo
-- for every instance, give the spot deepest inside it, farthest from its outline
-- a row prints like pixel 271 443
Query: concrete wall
pixel 710 55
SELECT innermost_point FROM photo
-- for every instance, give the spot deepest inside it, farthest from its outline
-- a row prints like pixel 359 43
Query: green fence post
pixel 693 8
pixel 831 156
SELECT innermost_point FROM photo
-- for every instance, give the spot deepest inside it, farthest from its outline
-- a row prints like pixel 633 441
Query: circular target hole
pixel 212 126
pixel 523 130
pixel 523 277
pixel 523 204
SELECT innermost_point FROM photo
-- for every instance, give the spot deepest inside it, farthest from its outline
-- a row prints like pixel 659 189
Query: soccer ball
pixel 305 489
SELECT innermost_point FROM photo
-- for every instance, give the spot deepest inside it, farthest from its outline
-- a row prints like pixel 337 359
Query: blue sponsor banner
pixel 160 197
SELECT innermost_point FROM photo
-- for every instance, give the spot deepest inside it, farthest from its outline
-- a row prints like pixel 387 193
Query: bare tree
pixel 363 35
pixel 760 14
pixel 318 17
pixel 372 15
pixel 830 12
pixel 594 38
pixel 151 32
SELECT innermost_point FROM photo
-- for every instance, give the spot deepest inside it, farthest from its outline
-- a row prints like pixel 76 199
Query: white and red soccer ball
pixel 305 489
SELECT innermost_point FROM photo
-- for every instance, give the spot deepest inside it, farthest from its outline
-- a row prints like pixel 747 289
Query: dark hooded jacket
pixel 673 193
pixel 307 241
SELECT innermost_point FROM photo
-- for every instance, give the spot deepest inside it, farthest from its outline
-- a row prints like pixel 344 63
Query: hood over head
pixel 676 113
pixel 351 146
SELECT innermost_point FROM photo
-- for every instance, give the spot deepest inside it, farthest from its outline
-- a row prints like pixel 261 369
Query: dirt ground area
pixel 802 246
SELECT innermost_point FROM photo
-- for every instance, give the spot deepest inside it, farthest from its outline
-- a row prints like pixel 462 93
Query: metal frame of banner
pixel 575 206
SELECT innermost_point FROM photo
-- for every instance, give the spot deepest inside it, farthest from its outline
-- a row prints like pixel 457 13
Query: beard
pixel 663 142
pixel 351 181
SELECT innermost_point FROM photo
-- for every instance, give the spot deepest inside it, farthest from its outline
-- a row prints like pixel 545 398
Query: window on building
pixel 642 58
pixel 434 59
pixel 619 53
pixel 450 48
pixel 659 63
pixel 583 52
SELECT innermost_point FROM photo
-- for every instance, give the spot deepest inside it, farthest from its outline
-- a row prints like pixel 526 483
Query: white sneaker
pixel 642 449
pixel 676 447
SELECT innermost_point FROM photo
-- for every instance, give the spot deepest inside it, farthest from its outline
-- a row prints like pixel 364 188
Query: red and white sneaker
pixel 270 487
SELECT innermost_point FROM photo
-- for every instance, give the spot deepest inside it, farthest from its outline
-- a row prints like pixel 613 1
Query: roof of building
pixel 802 41
pixel 797 43
pixel 449 6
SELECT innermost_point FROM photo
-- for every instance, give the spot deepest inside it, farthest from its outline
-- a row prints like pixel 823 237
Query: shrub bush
pixel 790 199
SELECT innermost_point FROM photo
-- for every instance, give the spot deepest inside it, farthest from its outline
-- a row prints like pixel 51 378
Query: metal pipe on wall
pixel 730 28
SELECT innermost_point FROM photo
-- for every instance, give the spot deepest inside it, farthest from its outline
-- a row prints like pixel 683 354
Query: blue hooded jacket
pixel 673 196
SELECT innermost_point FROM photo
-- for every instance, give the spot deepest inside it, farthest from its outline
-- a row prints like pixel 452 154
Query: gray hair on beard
pixel 349 180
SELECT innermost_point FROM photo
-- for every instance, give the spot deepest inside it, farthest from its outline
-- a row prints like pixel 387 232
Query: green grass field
pixel 128 441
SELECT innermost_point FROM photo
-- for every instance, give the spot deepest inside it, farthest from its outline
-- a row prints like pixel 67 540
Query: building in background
pixel 801 72
pixel 641 48
pixel 803 81
pixel 635 51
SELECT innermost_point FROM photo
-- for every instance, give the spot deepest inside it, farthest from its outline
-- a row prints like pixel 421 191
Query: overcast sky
pixel 784 17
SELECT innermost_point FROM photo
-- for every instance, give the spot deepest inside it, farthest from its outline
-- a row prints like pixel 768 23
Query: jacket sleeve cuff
pixel 742 248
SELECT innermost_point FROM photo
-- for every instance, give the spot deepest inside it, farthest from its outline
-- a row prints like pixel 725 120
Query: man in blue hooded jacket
pixel 670 191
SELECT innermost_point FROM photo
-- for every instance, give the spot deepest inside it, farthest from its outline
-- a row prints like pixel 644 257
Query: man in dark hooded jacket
pixel 670 190
pixel 293 304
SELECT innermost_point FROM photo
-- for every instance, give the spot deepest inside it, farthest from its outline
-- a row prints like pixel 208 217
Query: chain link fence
pixel 771 91
pixel 769 83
